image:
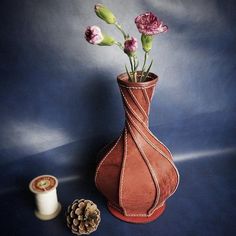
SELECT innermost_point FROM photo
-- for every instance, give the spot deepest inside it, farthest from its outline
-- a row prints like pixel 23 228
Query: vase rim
pixel 123 79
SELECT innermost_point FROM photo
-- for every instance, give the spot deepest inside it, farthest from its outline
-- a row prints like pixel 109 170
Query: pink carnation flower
pixel 149 24
pixel 130 45
pixel 93 34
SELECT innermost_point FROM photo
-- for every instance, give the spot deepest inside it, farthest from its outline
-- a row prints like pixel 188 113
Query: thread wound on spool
pixel 44 188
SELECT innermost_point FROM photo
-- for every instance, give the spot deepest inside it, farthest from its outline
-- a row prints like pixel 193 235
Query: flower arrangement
pixel 148 25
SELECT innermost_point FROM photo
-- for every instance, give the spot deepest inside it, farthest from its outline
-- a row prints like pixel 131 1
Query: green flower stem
pixel 144 64
pixel 128 73
pixel 136 62
pixel 147 72
pixel 135 67
pixel 132 68
pixel 132 64
pixel 121 30
pixel 119 45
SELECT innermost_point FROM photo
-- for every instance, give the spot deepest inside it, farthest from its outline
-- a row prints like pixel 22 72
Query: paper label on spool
pixel 43 183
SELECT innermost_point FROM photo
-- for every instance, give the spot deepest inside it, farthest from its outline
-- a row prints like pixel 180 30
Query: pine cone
pixel 83 217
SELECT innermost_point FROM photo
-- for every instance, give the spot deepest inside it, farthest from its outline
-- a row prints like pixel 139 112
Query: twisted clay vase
pixel 136 173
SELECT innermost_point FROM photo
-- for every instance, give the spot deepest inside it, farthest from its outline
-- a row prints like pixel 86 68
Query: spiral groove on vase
pixel 137 173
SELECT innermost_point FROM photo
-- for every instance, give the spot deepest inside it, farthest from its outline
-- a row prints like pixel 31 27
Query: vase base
pixel 135 219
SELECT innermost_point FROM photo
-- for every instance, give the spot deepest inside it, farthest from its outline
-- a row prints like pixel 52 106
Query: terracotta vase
pixel 136 173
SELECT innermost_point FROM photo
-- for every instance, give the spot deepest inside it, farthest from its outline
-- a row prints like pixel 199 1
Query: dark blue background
pixel 59 104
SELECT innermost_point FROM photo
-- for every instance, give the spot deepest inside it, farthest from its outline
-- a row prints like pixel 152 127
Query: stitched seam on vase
pixel 156 148
pixel 138 215
pixel 146 96
pixel 123 172
pixel 172 163
pixel 137 103
pixel 153 92
pixel 163 154
pixel 177 172
pixel 144 136
pixel 99 166
pixel 147 139
pixel 137 87
pixel 154 177
pixel 147 99
pixel 148 215
pixel 131 109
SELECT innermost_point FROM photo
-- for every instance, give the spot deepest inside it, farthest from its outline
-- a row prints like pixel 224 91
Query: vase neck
pixel 137 99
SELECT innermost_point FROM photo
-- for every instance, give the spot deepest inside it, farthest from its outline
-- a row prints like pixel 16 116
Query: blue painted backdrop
pixel 56 89
pixel 59 104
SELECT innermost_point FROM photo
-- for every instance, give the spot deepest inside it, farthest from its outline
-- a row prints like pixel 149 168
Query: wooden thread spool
pixel 44 188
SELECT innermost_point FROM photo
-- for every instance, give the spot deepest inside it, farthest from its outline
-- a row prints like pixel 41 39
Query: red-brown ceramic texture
pixel 137 173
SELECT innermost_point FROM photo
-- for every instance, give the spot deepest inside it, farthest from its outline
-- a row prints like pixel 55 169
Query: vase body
pixel 136 173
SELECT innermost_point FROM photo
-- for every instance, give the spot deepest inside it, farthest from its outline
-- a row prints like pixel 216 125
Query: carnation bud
pixel 130 46
pixel 147 42
pixel 105 14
